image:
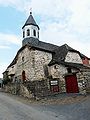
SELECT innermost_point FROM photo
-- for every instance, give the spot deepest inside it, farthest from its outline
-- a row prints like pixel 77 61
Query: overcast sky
pixel 60 22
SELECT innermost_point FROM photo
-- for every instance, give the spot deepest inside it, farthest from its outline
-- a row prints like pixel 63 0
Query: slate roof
pixel 60 55
pixel 71 65
pixel 34 42
pixel 61 52
pixel 30 21
pixel 84 56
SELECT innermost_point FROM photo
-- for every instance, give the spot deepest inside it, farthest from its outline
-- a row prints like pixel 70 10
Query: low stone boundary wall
pixel 30 89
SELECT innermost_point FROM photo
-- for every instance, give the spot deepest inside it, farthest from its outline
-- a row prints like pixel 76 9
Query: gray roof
pixel 71 65
pixel 34 42
pixel 84 56
pixel 30 21
pixel 60 55
pixel 61 52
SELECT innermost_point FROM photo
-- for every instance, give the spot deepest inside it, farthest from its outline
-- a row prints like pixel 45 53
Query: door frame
pixel 71 88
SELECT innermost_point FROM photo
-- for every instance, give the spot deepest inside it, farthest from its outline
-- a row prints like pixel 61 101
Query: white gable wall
pixel 73 57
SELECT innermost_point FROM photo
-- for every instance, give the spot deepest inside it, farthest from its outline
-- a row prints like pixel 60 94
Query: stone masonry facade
pixel 33 64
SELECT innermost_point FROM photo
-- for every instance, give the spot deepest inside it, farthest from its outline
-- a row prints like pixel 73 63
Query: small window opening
pixel 22 59
pixel 12 66
pixel 55 67
pixel 69 70
pixel 23 76
pixel 28 32
pixel 23 34
pixel 38 34
pixel 34 32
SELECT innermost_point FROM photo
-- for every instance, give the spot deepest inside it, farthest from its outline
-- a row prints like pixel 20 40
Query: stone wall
pixel 37 88
pixel 86 74
pixel 58 72
pixel 11 69
pixel 37 62
pixel 42 60
pixel 22 62
pixel 34 64
pixel 29 89
pixel 18 89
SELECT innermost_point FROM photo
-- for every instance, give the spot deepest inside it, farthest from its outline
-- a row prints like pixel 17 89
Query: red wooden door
pixel 71 84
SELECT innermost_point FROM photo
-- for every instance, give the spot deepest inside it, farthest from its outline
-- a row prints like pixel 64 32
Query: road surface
pixel 12 109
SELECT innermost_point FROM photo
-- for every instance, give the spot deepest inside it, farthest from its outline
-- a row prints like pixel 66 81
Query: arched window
pixel 23 34
pixel 28 32
pixel 23 75
pixel 38 34
pixel 23 59
pixel 34 32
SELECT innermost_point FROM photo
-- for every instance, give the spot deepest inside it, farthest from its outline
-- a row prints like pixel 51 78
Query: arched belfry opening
pixel 34 32
pixel 28 32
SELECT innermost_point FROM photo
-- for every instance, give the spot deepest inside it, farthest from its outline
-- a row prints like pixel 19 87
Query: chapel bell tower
pixel 30 29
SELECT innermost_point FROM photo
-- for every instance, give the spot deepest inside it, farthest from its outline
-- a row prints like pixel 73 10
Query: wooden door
pixel 71 84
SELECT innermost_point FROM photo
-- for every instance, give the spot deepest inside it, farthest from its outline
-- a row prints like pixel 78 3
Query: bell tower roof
pixel 30 21
pixel 30 30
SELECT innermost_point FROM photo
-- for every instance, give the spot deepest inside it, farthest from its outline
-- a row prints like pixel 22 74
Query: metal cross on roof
pixel 30 10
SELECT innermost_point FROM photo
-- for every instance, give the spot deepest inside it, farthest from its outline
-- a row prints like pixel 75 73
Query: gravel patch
pixel 58 99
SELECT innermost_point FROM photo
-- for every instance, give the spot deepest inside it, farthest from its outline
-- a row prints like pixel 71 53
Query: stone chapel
pixel 63 68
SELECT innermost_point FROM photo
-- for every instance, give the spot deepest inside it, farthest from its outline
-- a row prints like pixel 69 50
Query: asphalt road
pixel 12 109
pixel 71 111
